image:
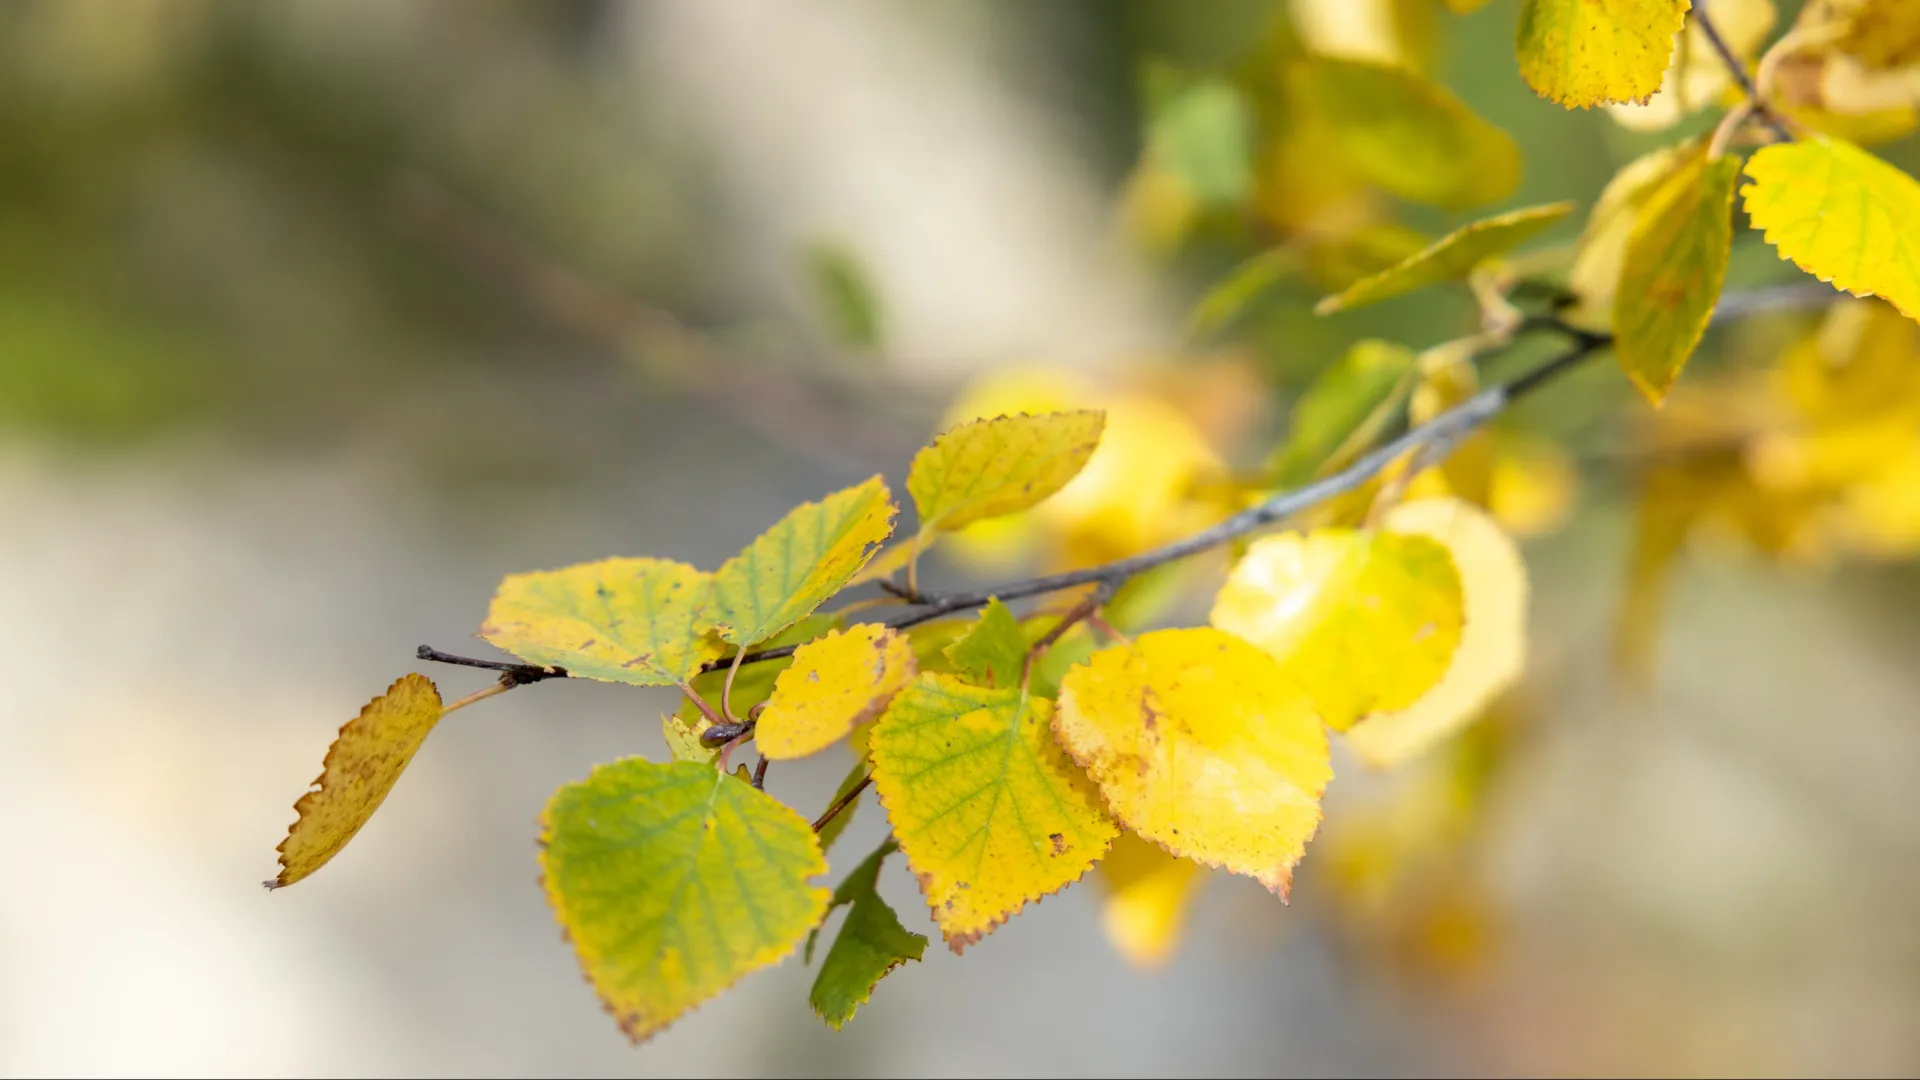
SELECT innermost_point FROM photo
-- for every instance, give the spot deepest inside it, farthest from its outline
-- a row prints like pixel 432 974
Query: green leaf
pixel 1409 136
pixel 1451 259
pixel 798 564
pixel 831 830
pixel 639 621
pixel 991 815
pixel 1840 214
pixel 871 943
pixel 1231 294
pixel 993 650
pixel 1200 129
pixel 673 881
pixel 990 468
pixel 1357 392
pixel 847 298
pixel 1675 264
pixel 1580 53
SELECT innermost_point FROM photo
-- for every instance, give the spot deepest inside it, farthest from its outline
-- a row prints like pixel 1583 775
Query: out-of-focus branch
pixel 795 413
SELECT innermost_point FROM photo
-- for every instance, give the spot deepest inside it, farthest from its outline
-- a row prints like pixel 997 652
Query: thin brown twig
pixel 842 802
pixel 1739 72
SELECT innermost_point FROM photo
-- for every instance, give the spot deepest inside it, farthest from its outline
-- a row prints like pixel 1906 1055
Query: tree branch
pixel 1448 427
pixel 1739 72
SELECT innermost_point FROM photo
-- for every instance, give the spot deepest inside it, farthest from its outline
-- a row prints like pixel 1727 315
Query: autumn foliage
pixel 1374 595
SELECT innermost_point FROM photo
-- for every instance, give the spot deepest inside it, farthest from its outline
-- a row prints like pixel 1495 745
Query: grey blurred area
pixel 318 317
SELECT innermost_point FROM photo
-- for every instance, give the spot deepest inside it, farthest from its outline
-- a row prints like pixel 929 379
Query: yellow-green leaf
pixel 991 815
pixel 1594 276
pixel 683 738
pixel 1148 895
pixel 834 683
pixel 1201 744
pixel 640 621
pixel 673 881
pixel 1581 52
pixel 993 651
pixel 1409 136
pixel 795 566
pixel 871 943
pixel 1363 620
pixel 361 767
pixel 1493 645
pixel 988 468
pixel 1451 258
pixel 1676 262
pixel 1359 391
pixel 1840 214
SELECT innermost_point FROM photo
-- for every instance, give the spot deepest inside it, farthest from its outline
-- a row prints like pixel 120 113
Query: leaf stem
pixel 1088 607
pixel 842 802
pixel 481 694
pixel 726 688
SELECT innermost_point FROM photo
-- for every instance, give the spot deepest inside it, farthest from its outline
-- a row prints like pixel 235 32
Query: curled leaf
pixel 362 765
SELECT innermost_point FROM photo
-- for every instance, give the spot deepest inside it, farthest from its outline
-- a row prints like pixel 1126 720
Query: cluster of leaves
pixel 1012 754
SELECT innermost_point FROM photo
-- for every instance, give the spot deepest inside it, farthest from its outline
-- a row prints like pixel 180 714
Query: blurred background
pixel 316 318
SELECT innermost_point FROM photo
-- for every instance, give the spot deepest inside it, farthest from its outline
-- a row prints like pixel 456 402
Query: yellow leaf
pixel 1492 652
pixel 683 738
pixel 806 557
pixel 1840 214
pixel 834 683
pixel 1363 620
pixel 1409 136
pixel 1595 274
pixel 1450 259
pixel 673 881
pixel 1676 262
pixel 361 767
pixel 639 621
pixel 1697 76
pixel 885 563
pixel 1878 33
pixel 991 815
pixel 1148 895
pixel 1580 53
pixel 988 468
pixel 1533 483
pixel 1200 743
